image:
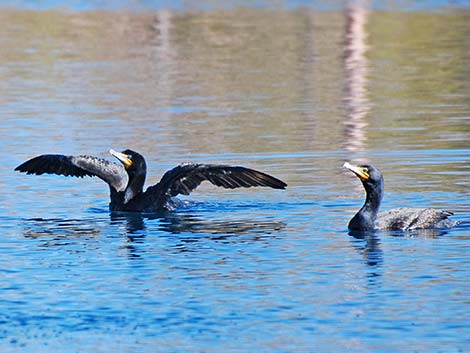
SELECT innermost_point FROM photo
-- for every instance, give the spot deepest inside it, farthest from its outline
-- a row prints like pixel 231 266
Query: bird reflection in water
pixel 368 245
pixel 184 228
pixel 60 228
pixel 190 229
pixel 179 223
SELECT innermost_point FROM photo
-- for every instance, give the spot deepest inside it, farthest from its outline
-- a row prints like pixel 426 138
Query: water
pixel 244 270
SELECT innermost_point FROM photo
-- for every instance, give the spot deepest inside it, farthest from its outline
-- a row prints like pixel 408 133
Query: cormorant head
pixel 133 162
pixel 370 176
pixel 136 168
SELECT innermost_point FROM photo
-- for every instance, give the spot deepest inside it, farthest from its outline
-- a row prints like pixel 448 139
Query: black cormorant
pixel 126 181
pixel 369 218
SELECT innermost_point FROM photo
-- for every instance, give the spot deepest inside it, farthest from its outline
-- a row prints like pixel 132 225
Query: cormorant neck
pixel 134 187
pixel 365 218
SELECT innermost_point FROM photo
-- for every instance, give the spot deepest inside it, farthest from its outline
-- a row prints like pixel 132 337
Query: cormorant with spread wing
pixel 369 218
pixel 126 181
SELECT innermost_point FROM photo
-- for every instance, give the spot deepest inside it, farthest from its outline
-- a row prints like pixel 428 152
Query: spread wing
pixel 186 177
pixel 78 166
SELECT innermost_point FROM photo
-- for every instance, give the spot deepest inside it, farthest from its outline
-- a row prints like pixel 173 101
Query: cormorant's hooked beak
pixel 361 172
pixel 123 158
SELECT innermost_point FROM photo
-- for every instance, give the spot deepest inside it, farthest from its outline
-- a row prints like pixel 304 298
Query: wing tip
pixel 274 182
pixel 282 186
pixel 21 168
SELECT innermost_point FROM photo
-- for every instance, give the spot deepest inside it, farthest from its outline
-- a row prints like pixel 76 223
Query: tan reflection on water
pixel 230 82
pixel 249 86
pixel 420 79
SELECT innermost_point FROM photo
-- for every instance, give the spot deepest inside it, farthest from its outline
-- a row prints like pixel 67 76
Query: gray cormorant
pixel 369 218
pixel 126 181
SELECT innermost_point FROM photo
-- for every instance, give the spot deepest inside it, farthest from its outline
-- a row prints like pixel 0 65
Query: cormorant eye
pixel 365 170
pixel 129 156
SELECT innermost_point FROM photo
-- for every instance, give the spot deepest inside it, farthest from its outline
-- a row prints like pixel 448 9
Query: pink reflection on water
pixel 356 68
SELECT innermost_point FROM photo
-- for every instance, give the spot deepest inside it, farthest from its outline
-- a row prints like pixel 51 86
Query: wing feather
pixel 184 178
pixel 77 166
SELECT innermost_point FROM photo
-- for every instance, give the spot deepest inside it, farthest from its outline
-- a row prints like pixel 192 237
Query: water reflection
pixel 182 223
pixel 136 226
pixel 60 228
pixel 179 223
pixel 223 82
pixel 134 222
pixel 368 245
pixel 356 68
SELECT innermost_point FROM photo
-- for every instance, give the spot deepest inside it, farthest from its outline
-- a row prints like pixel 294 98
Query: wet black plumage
pixel 369 218
pixel 126 180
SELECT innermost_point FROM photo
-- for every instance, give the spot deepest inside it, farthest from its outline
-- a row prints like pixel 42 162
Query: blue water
pixel 248 270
